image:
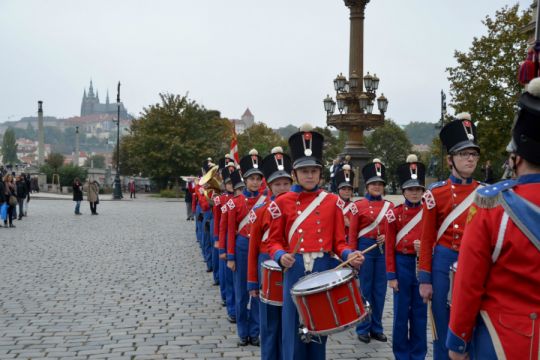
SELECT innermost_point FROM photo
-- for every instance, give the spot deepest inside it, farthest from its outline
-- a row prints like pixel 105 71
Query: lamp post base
pixel 117 193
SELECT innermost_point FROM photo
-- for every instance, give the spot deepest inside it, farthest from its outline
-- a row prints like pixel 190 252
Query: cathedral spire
pixel 97 95
pixel 107 99
pixel 84 94
pixel 91 89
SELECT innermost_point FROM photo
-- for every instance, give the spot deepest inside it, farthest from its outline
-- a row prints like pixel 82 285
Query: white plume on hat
pixel 463 116
pixel 412 158
pixel 277 150
pixel 533 87
pixel 377 160
pixel 306 127
pixel 253 152
pixel 346 167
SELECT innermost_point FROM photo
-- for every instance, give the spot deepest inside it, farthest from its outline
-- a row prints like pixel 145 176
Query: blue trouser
pixel 373 284
pixel 215 257
pixel 221 266
pixel 198 225
pixel 293 347
pixel 443 258
pixel 247 320
pixel 270 324
pixel 409 341
pixel 77 206
pixel 481 345
pixel 208 224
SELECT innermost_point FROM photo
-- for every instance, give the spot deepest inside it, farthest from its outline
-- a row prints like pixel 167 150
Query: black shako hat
pixel 306 147
pixel 374 171
pixel 459 134
pixel 526 129
pixel 344 177
pixel 251 164
pixel 207 164
pixel 224 161
pixel 412 173
pixel 226 172
pixel 237 180
pixel 277 165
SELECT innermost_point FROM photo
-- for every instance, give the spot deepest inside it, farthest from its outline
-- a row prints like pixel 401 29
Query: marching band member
pixel 367 228
pixel 239 207
pixel 204 197
pixel 344 181
pixel 308 215
pixel 226 167
pixel 277 169
pixel 403 229
pixel 445 209
pixel 236 184
pixel 496 301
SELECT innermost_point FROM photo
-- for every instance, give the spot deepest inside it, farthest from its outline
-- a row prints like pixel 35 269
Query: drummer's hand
pixel 287 260
pixel 358 259
pixel 231 264
pixel 416 244
pixel 380 239
pixel 216 244
pixel 393 284
pixel 457 356
pixel 254 293
pixel 223 256
pixel 426 291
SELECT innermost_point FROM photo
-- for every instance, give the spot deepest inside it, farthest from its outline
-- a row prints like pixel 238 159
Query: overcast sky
pixel 276 57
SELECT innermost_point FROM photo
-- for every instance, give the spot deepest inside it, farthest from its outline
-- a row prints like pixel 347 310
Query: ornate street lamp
pixel 117 194
pixel 382 103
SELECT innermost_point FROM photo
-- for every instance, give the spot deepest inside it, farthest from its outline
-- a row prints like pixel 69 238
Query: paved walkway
pixel 126 284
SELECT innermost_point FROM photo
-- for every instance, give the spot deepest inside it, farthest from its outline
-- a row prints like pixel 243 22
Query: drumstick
pixel 432 321
pixel 295 250
pixel 355 256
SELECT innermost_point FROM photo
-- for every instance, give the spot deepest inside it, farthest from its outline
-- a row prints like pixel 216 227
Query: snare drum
pixel 451 275
pixel 272 283
pixel 329 301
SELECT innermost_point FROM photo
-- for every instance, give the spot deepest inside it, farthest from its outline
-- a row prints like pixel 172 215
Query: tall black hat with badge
pixel 459 134
pixel 344 177
pixel 306 147
pixel 373 172
pixel 251 164
pixel 277 165
pixel 526 129
pixel 224 161
pixel 206 165
pixel 237 180
pixel 412 173
pixel 227 170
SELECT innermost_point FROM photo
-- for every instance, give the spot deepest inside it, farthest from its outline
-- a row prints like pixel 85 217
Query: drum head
pixel 321 281
pixel 271 264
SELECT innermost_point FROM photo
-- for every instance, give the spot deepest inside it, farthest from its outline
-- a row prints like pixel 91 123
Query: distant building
pixel 90 105
pixel 27 150
pixel 245 122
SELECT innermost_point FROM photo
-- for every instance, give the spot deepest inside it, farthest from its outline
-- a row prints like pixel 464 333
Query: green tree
pixel 390 144
pixel 484 81
pixel 421 132
pixel 259 137
pixel 55 161
pixel 9 147
pixel 97 161
pixel 69 172
pixel 172 138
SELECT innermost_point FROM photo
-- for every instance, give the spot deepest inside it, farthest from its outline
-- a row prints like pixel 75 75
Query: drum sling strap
pixel 245 220
pixel 303 216
pixel 454 214
pixel 377 221
pixel 408 227
pixel 524 214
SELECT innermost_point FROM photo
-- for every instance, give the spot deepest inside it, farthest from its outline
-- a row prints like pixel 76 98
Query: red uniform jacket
pixel 322 231
pixel 259 225
pixel 237 209
pixel 219 201
pixel 366 215
pixel 438 203
pixel 348 208
pixel 505 288
pixel 203 201
pixel 223 223
pixel 195 197
pixel 396 219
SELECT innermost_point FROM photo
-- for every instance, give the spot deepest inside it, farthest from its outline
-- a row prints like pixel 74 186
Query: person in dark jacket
pixel 22 193
pixel 77 195
pixel 9 190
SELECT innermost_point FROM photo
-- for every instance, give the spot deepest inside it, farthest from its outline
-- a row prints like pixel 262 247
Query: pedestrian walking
pixel 93 196
pixel 77 195
pixel 10 199
pixel 132 188
pixel 189 199
pixel 22 193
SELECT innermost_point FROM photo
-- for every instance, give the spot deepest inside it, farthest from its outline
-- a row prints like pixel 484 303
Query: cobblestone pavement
pixel 126 284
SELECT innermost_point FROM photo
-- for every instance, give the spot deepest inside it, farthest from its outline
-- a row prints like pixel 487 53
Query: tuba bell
pixel 211 181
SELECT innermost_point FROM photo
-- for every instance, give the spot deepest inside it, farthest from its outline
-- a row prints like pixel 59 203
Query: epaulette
pixel 437 184
pixel 488 197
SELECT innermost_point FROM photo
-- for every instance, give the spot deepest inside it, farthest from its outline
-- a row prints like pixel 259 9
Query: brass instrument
pixel 211 181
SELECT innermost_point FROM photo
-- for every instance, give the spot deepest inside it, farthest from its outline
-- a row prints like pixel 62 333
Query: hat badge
pixel 255 161
pixel 347 176
pixel 378 169
pixel 468 129
pixel 414 171
pixel 306 138
pixel 279 161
